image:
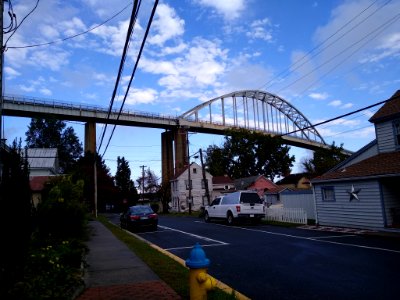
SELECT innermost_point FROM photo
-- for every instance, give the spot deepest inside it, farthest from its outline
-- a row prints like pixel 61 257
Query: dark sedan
pixel 139 217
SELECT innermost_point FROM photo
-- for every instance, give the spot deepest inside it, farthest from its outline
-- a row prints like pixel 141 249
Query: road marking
pixel 315 239
pixel 332 236
pixel 190 247
pixel 194 235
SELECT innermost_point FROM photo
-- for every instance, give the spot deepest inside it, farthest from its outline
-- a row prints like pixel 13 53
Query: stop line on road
pixel 203 238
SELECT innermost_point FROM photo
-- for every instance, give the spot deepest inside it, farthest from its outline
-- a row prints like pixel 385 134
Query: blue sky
pixel 326 58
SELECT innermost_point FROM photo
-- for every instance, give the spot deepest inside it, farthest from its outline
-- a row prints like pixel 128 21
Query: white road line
pixel 315 239
pixel 194 235
pixel 332 236
pixel 190 247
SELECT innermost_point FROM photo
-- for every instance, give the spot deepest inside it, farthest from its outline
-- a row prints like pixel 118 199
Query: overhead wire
pixel 134 69
pixel 132 22
pixel 288 70
pixel 17 26
pixel 75 35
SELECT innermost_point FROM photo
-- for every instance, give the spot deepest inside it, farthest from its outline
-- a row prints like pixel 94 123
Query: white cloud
pixel 52 60
pixel 27 89
pixel 347 105
pixel 141 96
pixel 229 9
pixel 258 30
pixel 335 103
pixel 11 73
pixel 167 25
pixel 390 47
pixel 318 96
pixel 45 92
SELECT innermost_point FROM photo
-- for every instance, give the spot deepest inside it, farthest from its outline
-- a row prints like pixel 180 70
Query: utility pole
pixel 189 179
pixel 204 177
pixel 143 181
pixel 1 89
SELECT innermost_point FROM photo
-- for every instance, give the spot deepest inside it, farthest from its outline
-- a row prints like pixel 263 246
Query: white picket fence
pixel 289 215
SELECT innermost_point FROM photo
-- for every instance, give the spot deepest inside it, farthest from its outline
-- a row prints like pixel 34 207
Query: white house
pixel 180 188
pixel 363 191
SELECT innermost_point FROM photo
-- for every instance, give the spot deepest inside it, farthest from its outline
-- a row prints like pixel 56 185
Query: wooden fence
pixel 289 215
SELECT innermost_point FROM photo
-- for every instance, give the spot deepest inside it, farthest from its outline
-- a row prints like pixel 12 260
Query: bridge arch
pixel 255 110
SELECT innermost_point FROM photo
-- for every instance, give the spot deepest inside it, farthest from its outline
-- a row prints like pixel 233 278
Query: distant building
pixel 259 183
pixel 222 185
pixel 180 186
pixel 295 181
pixel 363 191
pixel 43 166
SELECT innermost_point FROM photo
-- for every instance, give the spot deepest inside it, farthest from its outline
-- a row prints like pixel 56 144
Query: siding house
pixel 255 183
pixel 43 166
pixel 180 186
pixel 363 191
pixel 222 185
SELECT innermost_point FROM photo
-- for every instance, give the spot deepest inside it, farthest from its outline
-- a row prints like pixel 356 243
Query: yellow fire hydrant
pixel 199 281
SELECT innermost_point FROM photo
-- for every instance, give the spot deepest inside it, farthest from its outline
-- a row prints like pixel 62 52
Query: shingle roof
pixel 390 109
pixel 383 164
pixel 222 180
pixel 293 178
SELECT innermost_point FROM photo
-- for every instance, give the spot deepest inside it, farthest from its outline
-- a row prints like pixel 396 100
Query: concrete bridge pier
pixel 174 152
pixel 90 137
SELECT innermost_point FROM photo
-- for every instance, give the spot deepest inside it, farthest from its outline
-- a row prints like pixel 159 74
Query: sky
pixel 326 58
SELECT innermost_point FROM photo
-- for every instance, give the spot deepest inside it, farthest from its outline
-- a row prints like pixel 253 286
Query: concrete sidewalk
pixel 114 272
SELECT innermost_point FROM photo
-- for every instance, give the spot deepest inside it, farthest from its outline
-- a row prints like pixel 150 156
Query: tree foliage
pixel 247 153
pixel 324 159
pixel 124 183
pixel 149 182
pixel 53 133
pixel 106 190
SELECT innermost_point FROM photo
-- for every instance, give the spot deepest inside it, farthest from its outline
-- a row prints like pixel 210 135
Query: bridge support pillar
pixel 90 137
pixel 167 156
pixel 174 152
pixel 181 159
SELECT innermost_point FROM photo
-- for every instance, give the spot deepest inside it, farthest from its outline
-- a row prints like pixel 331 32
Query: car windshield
pixel 250 198
pixel 141 210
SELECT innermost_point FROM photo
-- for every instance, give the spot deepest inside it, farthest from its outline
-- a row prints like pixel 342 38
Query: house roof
pixel 391 109
pixel 222 180
pixel 293 178
pixel 243 183
pixel 42 158
pixel 383 164
pixel 276 190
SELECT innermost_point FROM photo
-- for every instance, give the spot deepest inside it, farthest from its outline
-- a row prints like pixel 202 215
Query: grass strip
pixel 169 270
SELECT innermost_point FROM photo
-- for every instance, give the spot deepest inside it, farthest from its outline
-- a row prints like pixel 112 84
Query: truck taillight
pixel 238 208
pixel 134 217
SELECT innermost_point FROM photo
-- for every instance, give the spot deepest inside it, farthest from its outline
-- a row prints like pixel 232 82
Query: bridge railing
pixel 64 105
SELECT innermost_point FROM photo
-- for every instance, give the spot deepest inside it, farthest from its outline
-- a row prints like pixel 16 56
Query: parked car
pixel 139 217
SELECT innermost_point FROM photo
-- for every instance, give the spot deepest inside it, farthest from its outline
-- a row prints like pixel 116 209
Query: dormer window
pixel 396 129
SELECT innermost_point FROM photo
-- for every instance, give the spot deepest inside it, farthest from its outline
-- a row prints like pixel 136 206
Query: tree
pixel 324 159
pixel 247 153
pixel 126 187
pixel 16 203
pixel 148 183
pixel 106 190
pixel 53 133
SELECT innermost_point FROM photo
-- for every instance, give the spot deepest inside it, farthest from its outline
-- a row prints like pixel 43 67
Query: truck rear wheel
pixel 229 218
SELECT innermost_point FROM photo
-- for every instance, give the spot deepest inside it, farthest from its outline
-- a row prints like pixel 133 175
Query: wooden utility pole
pixel 204 177
pixel 143 181
pixel 1 89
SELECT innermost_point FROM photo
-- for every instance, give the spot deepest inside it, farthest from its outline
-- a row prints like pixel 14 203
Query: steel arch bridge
pixel 254 110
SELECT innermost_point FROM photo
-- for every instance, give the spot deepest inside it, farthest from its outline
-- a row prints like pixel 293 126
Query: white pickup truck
pixel 236 206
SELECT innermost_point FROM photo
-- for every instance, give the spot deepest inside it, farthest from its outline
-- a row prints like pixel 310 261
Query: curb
pixel 227 289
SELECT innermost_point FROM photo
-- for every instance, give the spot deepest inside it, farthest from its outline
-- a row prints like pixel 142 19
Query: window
pixel 194 170
pixel 396 129
pixel 203 183
pixel 187 184
pixel 328 193
pixel 215 201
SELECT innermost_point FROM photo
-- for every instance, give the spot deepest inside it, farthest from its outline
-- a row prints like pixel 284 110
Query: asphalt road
pixel 270 262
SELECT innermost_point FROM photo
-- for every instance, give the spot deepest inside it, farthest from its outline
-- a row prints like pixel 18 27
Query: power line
pixel 134 69
pixel 288 70
pixel 132 22
pixel 72 36
pixel 338 117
